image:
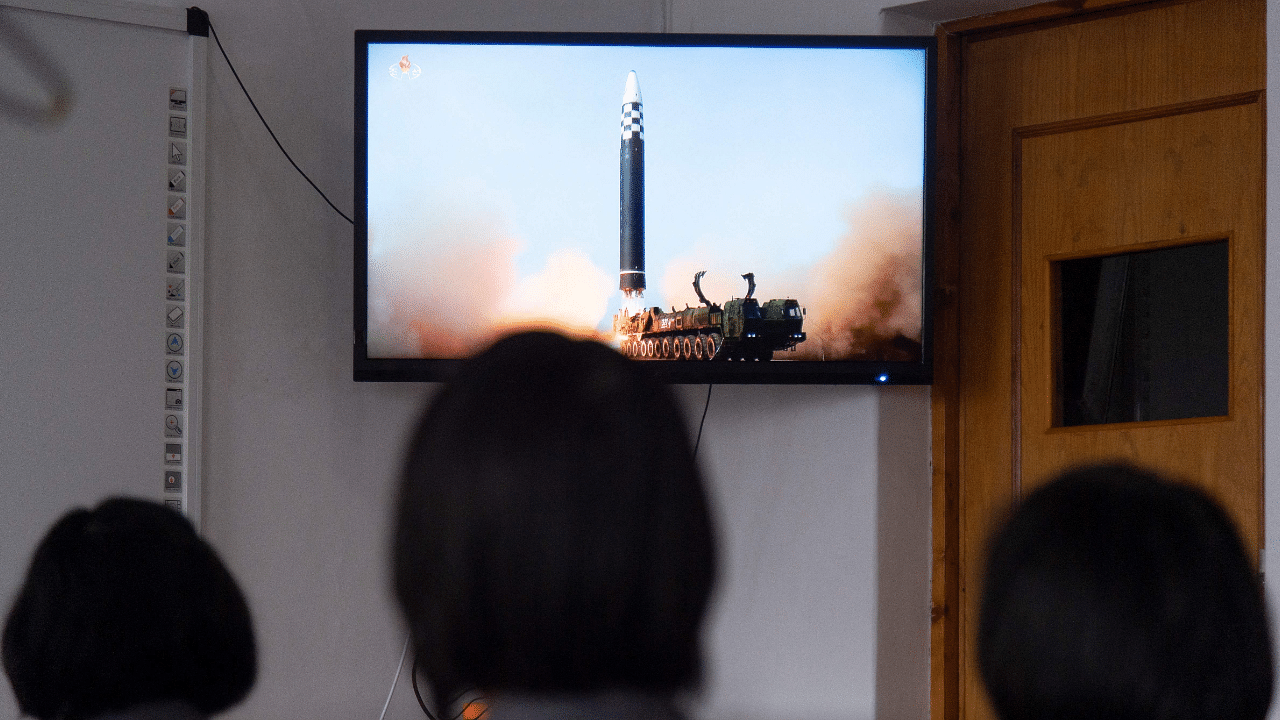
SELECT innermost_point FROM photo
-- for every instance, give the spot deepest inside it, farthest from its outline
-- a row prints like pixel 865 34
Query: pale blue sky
pixel 748 152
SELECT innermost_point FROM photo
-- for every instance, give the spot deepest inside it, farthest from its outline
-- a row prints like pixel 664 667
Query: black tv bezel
pixel 837 372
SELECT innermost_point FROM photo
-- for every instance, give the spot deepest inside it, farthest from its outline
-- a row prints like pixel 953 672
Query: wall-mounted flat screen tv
pixel 726 208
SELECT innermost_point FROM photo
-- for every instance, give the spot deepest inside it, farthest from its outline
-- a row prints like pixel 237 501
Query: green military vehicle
pixel 741 329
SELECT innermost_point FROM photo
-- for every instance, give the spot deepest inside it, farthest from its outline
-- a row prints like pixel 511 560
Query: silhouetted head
pixel 1114 594
pixel 553 532
pixel 123 605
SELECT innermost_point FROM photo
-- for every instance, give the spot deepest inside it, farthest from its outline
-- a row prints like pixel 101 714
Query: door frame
pixel 946 701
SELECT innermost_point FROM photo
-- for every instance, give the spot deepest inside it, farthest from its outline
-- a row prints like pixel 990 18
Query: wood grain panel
pixel 1055 70
pixel 1154 182
pixel 944 690
pixel 1116 63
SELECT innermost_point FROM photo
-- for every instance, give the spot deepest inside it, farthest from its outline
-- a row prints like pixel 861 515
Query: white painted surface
pixel 82 279
pixel 813 17
pixel 793 631
pixel 120 11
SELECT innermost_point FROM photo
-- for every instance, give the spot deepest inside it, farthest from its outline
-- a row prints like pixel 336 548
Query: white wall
pixel 73 308
pixel 853 17
pixel 822 492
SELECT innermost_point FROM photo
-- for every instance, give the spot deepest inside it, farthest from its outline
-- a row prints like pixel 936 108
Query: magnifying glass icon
pixel 171 422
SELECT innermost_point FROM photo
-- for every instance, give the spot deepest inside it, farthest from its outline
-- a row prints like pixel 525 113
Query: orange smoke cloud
pixel 570 292
pixel 864 299
pixel 453 290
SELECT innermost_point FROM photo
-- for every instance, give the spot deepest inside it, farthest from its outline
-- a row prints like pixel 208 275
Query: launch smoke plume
pixel 429 298
pixel 864 299
pixel 451 290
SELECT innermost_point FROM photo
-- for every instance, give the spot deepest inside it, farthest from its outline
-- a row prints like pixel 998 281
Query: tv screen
pixel 727 208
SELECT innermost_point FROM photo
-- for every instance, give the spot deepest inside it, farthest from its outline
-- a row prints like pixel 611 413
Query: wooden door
pixel 1071 134
pixel 1182 176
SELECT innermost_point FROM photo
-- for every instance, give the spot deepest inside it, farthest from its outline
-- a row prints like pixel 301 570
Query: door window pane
pixel 1143 336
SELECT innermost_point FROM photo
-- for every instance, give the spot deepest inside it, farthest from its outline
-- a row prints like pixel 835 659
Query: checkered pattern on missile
pixel 632 121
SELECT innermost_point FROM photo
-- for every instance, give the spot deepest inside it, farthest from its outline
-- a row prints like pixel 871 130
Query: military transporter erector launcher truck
pixel 743 329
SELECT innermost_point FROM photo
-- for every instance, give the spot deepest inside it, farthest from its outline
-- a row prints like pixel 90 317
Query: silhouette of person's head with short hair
pixel 1112 593
pixel 123 606
pixel 553 535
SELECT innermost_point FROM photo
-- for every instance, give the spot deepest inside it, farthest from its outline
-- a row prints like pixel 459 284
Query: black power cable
pixel 268 127
pixel 705 407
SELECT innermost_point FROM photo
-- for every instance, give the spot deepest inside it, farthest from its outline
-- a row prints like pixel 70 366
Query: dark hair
pixel 124 604
pixel 553 533
pixel 1113 593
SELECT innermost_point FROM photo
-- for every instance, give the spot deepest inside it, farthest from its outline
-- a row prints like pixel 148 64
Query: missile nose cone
pixel 632 93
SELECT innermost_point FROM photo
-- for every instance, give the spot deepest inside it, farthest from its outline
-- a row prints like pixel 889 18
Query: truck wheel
pixel 666 348
pixel 687 347
pixel 697 348
pixel 714 344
